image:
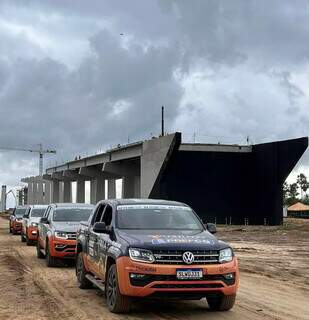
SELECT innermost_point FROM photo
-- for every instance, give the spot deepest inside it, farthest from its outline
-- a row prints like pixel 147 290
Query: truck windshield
pixel 37 212
pixel 19 212
pixel 157 217
pixel 72 214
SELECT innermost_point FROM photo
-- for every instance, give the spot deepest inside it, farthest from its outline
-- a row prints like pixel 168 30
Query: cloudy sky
pixel 81 76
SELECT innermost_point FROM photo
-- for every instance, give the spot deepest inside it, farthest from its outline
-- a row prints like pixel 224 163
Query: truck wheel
pixel 224 303
pixel 116 302
pixel 22 237
pixel 81 272
pixel 28 242
pixel 50 261
pixel 39 253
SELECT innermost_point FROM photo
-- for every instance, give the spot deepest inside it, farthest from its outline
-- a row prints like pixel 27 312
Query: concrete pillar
pixel 97 190
pixel 20 197
pixel 137 187
pixel 47 195
pixel 30 193
pixel 35 192
pixel 128 186
pixel 67 193
pixel 80 191
pixel 60 191
pixel 111 189
pixel 40 192
pixel 55 191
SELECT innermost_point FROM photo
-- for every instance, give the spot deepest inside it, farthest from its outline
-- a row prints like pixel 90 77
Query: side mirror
pixel 211 227
pixel 44 220
pixel 100 227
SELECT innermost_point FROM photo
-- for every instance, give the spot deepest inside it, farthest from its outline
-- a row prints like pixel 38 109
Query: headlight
pixel 226 255
pixel 141 255
pixel 34 224
pixel 61 235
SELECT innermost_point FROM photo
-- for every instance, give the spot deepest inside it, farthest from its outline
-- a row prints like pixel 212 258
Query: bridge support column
pixel 97 190
pixel 80 191
pixel 47 192
pixel 111 189
pixel 40 192
pixel 35 193
pixel 55 191
pixel 67 193
pixel 30 193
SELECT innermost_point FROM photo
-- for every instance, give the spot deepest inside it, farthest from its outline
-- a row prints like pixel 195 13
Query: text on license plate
pixel 189 274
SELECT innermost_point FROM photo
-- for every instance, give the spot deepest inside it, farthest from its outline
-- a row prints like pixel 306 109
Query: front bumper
pixel 162 279
pixel 61 248
pixel 16 226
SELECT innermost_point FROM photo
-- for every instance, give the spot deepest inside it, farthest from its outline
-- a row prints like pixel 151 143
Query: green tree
pixel 292 194
pixel 303 183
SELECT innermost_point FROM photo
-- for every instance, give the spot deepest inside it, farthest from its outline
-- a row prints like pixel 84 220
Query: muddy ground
pixel 274 265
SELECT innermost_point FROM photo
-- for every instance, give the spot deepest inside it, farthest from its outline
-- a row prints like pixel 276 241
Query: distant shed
pixel 298 210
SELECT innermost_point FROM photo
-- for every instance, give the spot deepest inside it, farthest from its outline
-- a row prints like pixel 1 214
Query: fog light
pixel 137 276
pixel 60 246
pixel 229 276
pixel 33 232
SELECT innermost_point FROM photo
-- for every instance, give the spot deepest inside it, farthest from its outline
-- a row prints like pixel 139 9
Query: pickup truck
pixel 57 231
pixel 16 218
pixel 29 231
pixel 144 248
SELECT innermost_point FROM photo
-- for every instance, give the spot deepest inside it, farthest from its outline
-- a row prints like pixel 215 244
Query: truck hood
pixel 66 226
pixel 34 219
pixel 171 240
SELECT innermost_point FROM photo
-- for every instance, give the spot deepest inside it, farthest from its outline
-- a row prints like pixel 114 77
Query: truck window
pixel 108 215
pixel 98 214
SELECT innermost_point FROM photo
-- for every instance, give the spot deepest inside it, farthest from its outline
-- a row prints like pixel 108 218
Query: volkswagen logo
pixel 188 257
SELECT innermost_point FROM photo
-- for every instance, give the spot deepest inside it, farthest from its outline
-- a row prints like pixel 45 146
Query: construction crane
pixel 40 151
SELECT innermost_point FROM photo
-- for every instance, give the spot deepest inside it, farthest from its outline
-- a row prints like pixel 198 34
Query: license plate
pixel 186 274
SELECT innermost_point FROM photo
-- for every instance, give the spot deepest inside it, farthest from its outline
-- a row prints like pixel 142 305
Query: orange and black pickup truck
pixel 29 231
pixel 16 219
pixel 146 248
pixel 57 231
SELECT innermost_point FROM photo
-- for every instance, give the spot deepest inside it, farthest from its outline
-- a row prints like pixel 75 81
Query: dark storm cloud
pixel 229 69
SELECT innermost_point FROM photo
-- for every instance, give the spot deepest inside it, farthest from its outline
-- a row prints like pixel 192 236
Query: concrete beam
pixel 59 176
pixel 121 169
pixel 72 175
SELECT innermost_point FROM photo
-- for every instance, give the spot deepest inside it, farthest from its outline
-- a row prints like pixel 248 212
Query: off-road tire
pixel 116 302
pixel 223 303
pixel 80 270
pixel 28 241
pixel 50 261
pixel 22 238
pixel 39 253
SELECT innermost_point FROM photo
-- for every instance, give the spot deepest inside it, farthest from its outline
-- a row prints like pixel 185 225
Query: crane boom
pixel 40 151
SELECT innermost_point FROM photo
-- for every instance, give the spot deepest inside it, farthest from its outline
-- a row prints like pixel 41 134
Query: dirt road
pixel 274 283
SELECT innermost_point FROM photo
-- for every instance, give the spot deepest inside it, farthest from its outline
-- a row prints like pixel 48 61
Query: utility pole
pixel 162 121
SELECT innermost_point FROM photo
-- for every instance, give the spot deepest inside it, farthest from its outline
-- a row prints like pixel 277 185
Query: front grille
pixel 148 278
pixel 71 236
pixel 188 286
pixel 175 256
pixel 65 248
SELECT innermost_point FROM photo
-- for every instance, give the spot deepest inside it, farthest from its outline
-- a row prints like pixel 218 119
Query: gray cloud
pixel 224 70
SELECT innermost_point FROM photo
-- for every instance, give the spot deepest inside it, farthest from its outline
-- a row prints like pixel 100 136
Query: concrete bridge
pixel 228 183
